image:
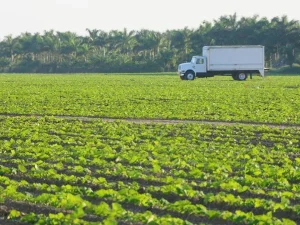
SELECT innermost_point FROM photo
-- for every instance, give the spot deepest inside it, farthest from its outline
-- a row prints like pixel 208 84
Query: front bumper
pixel 181 73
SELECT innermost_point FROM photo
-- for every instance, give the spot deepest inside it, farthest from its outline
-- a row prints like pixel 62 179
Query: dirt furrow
pixel 158 120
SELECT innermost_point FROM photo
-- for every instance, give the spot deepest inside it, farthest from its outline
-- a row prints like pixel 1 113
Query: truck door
pixel 200 66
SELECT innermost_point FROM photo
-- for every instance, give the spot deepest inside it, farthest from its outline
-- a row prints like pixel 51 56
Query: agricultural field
pixel 268 100
pixel 98 149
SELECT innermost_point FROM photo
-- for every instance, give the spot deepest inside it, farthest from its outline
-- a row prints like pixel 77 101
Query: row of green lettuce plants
pixel 132 96
pixel 68 201
pixel 270 184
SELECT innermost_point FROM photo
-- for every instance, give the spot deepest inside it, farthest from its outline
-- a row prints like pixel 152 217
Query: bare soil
pixel 159 120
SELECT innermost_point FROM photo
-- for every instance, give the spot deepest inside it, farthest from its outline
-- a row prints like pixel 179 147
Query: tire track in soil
pixel 158 120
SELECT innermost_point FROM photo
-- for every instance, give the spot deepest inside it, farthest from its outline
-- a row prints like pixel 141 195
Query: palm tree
pixel 93 34
pixel 102 41
pixel 149 42
pixel 114 40
pixel 98 40
pixel 128 41
pixel 70 43
pixel 12 46
pixel 201 37
pixel 224 30
pixel 143 43
pixel 284 38
pixel 26 45
pixel 187 33
pixel 84 48
pixel 37 44
pixel 50 46
pixel 247 32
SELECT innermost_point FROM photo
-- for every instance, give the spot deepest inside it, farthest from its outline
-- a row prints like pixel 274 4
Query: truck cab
pixel 197 67
pixel 199 64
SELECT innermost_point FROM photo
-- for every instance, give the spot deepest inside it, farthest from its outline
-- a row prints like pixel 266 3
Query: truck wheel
pixel 189 75
pixel 242 76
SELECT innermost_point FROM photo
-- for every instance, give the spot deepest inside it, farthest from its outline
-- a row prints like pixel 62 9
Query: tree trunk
pixel 12 56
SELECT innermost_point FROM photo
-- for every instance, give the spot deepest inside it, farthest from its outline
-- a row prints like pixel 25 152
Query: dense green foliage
pixel 270 99
pixel 79 173
pixel 146 50
pixel 285 70
pixel 90 171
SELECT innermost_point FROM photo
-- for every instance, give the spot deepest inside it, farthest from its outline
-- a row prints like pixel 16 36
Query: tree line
pixel 147 50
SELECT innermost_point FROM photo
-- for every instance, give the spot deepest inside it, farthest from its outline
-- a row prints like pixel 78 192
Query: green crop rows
pixel 90 171
pixel 273 99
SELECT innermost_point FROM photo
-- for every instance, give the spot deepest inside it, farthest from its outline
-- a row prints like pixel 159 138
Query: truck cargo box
pixel 221 58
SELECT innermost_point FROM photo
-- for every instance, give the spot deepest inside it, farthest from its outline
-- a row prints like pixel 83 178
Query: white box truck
pixel 238 61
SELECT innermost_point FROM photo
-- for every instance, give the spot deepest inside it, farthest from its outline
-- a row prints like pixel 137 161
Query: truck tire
pixel 240 76
pixel 189 75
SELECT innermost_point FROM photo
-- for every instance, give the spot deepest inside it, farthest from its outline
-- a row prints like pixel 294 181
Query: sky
pixel 20 16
